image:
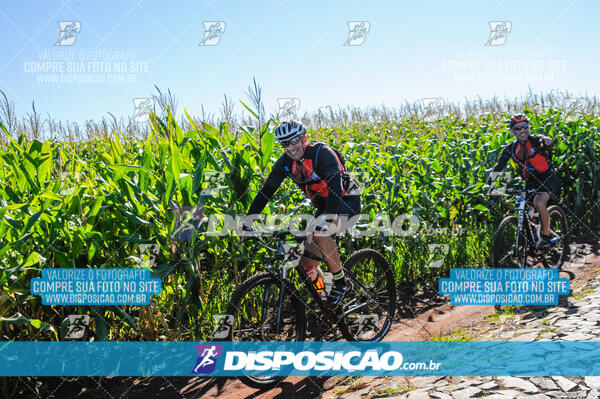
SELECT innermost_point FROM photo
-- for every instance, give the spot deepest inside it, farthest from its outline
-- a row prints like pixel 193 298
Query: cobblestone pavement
pixel 578 319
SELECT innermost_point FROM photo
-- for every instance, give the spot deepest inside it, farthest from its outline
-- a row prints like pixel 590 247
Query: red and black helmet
pixel 517 119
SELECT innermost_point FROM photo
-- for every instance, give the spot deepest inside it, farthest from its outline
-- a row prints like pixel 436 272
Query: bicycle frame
pixel 524 216
pixel 287 259
pixel 525 224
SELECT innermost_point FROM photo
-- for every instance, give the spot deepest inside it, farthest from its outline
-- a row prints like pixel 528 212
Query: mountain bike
pixel 270 306
pixel 517 239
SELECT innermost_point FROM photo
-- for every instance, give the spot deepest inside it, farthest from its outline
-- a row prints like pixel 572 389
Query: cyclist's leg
pixel 328 247
pixel 540 201
pixel 341 284
pixel 547 186
pixel 323 244
pixel 310 257
pixel 329 250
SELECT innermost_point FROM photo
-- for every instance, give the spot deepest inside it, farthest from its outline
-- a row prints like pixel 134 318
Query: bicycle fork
pixel 284 274
pixel 519 227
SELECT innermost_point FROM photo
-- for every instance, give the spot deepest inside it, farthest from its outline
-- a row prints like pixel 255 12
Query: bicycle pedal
pixel 350 285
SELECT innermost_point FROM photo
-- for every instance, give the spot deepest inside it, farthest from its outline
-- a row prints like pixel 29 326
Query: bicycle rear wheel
pixel 254 307
pixel 371 303
pixel 555 255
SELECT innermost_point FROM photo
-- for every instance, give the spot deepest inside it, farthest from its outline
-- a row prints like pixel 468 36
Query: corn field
pixel 90 201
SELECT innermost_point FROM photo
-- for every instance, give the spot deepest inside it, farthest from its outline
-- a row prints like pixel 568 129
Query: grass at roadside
pixel 457 336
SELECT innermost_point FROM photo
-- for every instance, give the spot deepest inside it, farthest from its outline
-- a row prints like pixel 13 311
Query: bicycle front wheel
pixel 369 307
pixel 508 253
pixel 261 313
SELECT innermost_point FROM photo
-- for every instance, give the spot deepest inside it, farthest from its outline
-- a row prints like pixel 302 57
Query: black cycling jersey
pixel 532 158
pixel 327 167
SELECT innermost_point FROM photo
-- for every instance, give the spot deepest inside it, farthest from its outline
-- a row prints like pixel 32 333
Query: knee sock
pixel 338 278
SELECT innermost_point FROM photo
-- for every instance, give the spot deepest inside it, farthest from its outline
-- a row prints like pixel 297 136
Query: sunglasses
pixel 518 129
pixel 291 142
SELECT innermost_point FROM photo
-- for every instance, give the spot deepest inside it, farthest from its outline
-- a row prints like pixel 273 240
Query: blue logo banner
pixel 299 359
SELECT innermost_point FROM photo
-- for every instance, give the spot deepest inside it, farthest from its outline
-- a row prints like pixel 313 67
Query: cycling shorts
pixel 544 183
pixel 349 206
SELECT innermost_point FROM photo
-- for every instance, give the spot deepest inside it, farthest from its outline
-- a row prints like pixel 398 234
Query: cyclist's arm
pixel 330 169
pixel 271 185
pixel 543 142
pixel 502 161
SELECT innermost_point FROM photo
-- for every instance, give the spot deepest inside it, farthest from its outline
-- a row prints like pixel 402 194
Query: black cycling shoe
pixel 545 242
pixel 338 293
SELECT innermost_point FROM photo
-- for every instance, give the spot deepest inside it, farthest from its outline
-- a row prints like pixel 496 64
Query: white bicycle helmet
pixel 289 130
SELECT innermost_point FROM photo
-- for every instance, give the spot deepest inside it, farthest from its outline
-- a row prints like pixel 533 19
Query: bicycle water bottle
pixel 316 275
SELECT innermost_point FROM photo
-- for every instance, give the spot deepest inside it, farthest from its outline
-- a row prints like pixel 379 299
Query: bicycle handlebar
pixel 280 234
pixel 519 190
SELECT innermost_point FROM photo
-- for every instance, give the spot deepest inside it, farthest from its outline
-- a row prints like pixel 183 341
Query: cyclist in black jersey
pixel 532 155
pixel 320 172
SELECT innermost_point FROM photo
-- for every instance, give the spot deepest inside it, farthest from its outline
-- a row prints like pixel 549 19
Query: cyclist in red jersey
pixel 320 172
pixel 532 156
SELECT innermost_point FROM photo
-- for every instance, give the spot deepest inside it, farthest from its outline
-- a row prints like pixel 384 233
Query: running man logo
pixel 212 33
pixel 288 108
pixel 358 182
pixel 573 103
pixel 432 108
pixel 367 323
pixel 141 109
pixel 292 254
pixel 437 254
pixel 213 182
pixel 68 33
pixel 73 327
pixel 207 358
pixel 358 33
pixel 504 178
pixel 148 253
pixel 69 182
pixel 574 107
pixel 499 30
pixel 187 221
pixel 223 326
pixel 578 254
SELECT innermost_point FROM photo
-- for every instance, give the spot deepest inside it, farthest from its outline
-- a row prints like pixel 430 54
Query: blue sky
pixel 295 49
